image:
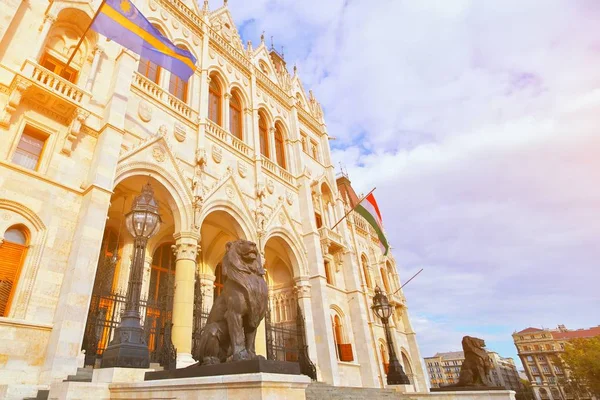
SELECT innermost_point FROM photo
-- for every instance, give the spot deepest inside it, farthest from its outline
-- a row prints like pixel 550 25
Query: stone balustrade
pixel 227 138
pixel 159 94
pixel 54 83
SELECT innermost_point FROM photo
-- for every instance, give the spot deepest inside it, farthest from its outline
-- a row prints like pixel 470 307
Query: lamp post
pixel 381 306
pixel 128 347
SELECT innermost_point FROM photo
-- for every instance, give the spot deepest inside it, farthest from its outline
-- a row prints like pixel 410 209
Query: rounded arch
pixel 19 215
pixel 244 221
pixel 244 98
pixel 179 199
pixel 280 139
pixel 18 234
pixel 162 27
pixel 216 72
pixel 297 259
pixel 364 261
pixel 185 45
pixel 406 362
pixel 263 110
pixel 236 113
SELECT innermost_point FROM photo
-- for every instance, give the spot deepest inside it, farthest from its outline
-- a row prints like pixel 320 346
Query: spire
pixel 295 70
pixel 224 3
pixel 205 7
pixel 249 49
pixel 262 38
pixel 272 45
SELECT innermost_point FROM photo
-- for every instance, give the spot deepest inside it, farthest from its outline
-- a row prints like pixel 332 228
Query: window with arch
pixel 13 251
pixel 384 278
pixel 149 69
pixel 215 95
pixel 344 350
pixel 163 268
pixel 235 116
pixel 279 147
pixel 263 131
pixel 177 87
pixel 384 356
pixel 365 268
pixel 329 276
pixel 218 286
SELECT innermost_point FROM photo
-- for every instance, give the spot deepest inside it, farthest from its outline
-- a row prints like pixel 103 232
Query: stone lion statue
pixel 476 367
pixel 230 331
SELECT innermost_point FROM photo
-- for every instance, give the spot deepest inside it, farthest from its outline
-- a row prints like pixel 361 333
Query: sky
pixel 479 124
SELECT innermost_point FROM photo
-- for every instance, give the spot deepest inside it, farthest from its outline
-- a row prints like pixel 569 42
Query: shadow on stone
pixel 230 368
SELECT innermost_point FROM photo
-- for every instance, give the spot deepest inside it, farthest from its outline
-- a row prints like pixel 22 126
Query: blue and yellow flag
pixel 121 21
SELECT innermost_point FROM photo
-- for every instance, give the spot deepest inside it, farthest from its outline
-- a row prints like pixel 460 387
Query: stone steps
pixel 41 395
pixel 82 375
pixel 318 391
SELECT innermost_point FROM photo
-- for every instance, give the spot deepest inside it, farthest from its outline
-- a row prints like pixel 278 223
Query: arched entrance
pixel 112 276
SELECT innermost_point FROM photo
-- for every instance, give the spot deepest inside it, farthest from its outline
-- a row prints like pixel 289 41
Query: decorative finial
pixel 282 52
pixel 249 47
pixel 272 46
pixel 262 38
pixel 224 3
pixel 295 70
pixel 205 8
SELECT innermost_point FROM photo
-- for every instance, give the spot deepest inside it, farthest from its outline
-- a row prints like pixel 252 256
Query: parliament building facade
pixel 238 151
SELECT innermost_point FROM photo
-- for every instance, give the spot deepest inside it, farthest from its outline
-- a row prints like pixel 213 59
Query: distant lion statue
pixel 476 367
pixel 230 331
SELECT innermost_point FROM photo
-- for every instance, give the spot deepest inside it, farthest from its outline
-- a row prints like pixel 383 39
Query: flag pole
pixel 348 213
pixel 84 33
pixel 413 277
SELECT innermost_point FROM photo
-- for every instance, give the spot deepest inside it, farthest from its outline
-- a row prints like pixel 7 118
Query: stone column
pixel 186 251
pixel 226 98
pixel 90 81
pixel 271 140
pixel 304 300
pixel 248 128
pixel 44 29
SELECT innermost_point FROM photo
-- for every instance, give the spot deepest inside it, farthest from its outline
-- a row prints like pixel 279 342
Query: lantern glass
pixel 143 220
pixel 381 305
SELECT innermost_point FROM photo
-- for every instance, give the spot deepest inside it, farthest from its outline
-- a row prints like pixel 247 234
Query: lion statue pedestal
pixel 475 370
pixel 227 341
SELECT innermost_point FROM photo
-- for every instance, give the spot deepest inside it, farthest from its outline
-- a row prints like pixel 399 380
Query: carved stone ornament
pixel 282 218
pixel 270 186
pixel 289 196
pixel 153 5
pixel 179 132
pixel 162 131
pixel 159 154
pixel 186 251
pixel 217 154
pixel 229 191
pixel 145 111
pixel 242 169
pixel 79 117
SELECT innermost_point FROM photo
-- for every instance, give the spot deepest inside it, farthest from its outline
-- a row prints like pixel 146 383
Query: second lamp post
pixel 381 306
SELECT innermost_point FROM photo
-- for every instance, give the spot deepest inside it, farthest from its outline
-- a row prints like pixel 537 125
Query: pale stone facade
pixel 103 129
pixel 539 351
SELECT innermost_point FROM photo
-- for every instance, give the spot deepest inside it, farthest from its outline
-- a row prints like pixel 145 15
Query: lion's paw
pixel 242 355
pixel 210 361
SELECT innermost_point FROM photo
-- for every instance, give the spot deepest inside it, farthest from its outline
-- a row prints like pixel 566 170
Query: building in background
pixel 539 350
pixel 444 369
pixel 240 151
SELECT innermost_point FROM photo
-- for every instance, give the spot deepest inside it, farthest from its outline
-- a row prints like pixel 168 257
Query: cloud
pixel 478 122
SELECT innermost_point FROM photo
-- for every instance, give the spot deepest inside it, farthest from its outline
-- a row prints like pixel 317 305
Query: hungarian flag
pixel 369 210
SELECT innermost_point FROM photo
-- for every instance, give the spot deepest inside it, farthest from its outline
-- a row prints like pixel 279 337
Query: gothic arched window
pixel 215 96
pixel 279 148
pixel 235 116
pixel 264 135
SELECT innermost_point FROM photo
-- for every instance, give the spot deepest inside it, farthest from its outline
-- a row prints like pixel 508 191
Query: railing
pixel 277 170
pixel 156 92
pixel 327 233
pixel 227 138
pixel 265 80
pixel 229 48
pixel 52 82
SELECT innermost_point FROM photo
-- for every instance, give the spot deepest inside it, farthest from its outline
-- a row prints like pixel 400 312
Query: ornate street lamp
pixel 381 306
pixel 128 347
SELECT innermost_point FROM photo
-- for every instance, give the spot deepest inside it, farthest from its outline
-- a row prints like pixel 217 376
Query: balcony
pixel 277 171
pixel 331 241
pixel 46 89
pixel 221 135
pixel 165 98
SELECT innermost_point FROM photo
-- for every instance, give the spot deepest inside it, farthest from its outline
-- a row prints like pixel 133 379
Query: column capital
pixel 186 245
pixel 227 96
pixel 302 288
